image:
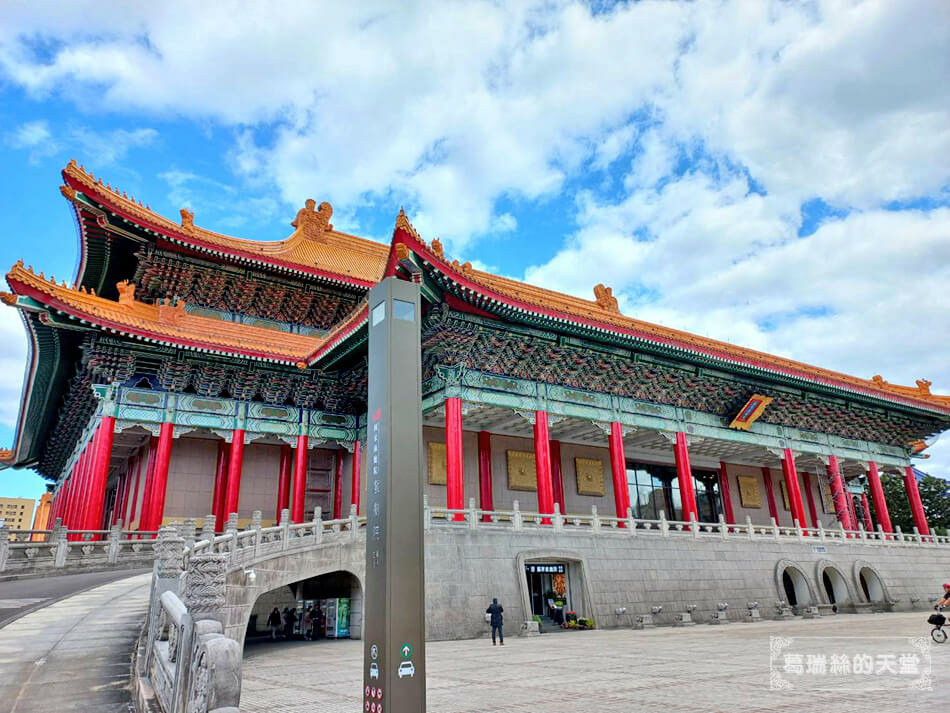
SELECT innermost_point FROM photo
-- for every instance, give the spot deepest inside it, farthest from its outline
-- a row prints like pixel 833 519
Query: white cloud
pixel 35 137
pixel 111 146
pixel 13 352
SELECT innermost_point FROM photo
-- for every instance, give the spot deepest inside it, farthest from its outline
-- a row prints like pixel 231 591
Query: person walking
pixel 290 618
pixel 273 621
pixel 497 621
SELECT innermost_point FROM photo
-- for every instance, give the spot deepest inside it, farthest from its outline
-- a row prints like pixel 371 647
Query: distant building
pixel 42 515
pixel 17 513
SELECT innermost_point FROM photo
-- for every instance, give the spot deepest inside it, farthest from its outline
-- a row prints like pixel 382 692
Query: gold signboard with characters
pixel 590 476
pixel 785 502
pixel 749 494
pixel 437 468
pixel 827 499
pixel 522 471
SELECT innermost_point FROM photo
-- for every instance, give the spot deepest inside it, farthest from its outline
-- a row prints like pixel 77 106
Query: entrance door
pixel 542 586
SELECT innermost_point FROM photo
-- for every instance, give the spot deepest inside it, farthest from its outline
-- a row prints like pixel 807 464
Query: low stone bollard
pixel 530 628
pixel 752 612
pixel 685 618
pixel 721 616
pixel 783 610
pixel 811 613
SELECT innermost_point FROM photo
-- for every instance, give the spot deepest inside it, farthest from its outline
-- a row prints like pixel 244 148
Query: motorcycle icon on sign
pixel 406 668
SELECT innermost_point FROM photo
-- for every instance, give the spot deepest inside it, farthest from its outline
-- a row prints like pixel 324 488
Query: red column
pixel 163 453
pixel 877 495
pixel 100 473
pixel 809 496
pixel 838 494
pixel 338 485
pixel 300 479
pixel 134 492
pixel 149 483
pixel 793 487
pixel 868 525
pixel 770 493
pixel 684 475
pixel 83 503
pixel 851 510
pixel 126 489
pixel 355 476
pixel 232 492
pixel 78 492
pixel 485 498
pixel 557 477
pixel 283 481
pixel 542 457
pixel 725 493
pixel 219 489
pixel 69 505
pixel 454 472
pixel 618 470
pixel 916 506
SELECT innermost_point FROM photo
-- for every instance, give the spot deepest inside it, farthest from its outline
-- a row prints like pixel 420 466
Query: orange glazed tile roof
pixel 165 323
pixel 603 313
pixel 314 245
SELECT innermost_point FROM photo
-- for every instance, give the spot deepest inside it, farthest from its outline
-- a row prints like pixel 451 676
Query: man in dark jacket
pixel 495 609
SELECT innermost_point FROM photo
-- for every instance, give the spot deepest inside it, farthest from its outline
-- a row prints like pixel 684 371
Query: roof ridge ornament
pixel 402 221
pixel 313 224
pixel 187 219
pixel 604 297
pixel 126 292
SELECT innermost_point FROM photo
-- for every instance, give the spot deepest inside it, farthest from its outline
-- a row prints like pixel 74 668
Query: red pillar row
pixel 916 506
pixel 868 525
pixel 684 476
pixel 133 500
pixel 153 509
pixel 338 485
pixel 770 493
pixel 283 480
pixel 877 496
pixel 300 479
pixel 454 475
pixel 149 483
pixel 232 492
pixel 726 494
pixel 794 488
pixel 838 495
pixel 557 476
pixel 355 476
pixel 618 471
pixel 100 474
pixel 542 457
pixel 220 485
pixel 485 495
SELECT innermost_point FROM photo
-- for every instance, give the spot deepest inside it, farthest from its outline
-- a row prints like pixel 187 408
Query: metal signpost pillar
pixel 394 609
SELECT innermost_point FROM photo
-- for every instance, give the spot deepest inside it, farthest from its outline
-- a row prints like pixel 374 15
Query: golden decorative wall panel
pixel 437 468
pixel 590 476
pixel 522 471
pixel 749 494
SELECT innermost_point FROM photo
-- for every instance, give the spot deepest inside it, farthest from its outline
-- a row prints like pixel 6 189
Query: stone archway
pixel 791 582
pixel 870 583
pixel 573 559
pixel 272 573
pixel 831 577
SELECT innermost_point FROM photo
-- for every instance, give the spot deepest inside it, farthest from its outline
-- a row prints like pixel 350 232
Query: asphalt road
pixel 19 597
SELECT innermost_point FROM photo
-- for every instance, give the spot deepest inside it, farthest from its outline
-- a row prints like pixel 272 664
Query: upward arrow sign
pixel 406 650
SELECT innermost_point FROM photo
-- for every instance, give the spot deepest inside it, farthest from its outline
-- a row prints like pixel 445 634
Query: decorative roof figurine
pixel 605 298
pixel 187 218
pixel 312 224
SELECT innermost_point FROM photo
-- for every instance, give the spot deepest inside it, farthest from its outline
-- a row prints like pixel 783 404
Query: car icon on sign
pixel 406 668
pixel 374 670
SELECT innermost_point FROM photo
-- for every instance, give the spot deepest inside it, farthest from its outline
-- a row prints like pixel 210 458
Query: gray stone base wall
pixel 465 569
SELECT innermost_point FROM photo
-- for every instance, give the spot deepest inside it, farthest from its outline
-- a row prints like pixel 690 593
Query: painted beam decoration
pixel 750 412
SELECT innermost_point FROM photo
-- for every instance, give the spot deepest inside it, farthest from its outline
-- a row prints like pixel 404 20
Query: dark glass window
pixel 656 487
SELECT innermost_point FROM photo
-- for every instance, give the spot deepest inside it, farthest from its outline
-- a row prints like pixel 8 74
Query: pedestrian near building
pixel 497 621
pixel 273 621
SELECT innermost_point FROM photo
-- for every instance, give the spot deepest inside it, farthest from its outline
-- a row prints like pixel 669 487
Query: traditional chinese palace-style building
pixel 185 372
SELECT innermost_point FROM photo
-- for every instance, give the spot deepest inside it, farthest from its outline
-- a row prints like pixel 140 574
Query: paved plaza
pixel 75 654
pixel 698 669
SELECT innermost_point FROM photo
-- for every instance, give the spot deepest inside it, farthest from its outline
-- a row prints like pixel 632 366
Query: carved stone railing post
pixel 664 525
pixel 256 518
pixel 517 521
pixel 631 522
pixel 880 534
pixel 821 531
pixel 115 537
pixel 900 533
pixel 188 530
pixel 748 526
pixel 284 529
pixel 317 525
pixel 841 531
pixel 917 536
pixel 558 517
pixel 799 531
pixel 354 523
pixel 594 519
pixel 723 529
pixel 472 514
pixel 204 591
pixel 207 528
pixel 169 550
pixel 232 530
pixel 60 545
pixel 426 514
pixel 862 532
pixel 694 525
pixel 775 528
pixel 4 545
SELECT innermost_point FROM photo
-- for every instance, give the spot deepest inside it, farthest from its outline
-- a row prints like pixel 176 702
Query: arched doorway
pixel 793 585
pixel 871 585
pixel 325 607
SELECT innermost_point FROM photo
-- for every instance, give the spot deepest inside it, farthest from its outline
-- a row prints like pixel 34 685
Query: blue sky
pixel 773 175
